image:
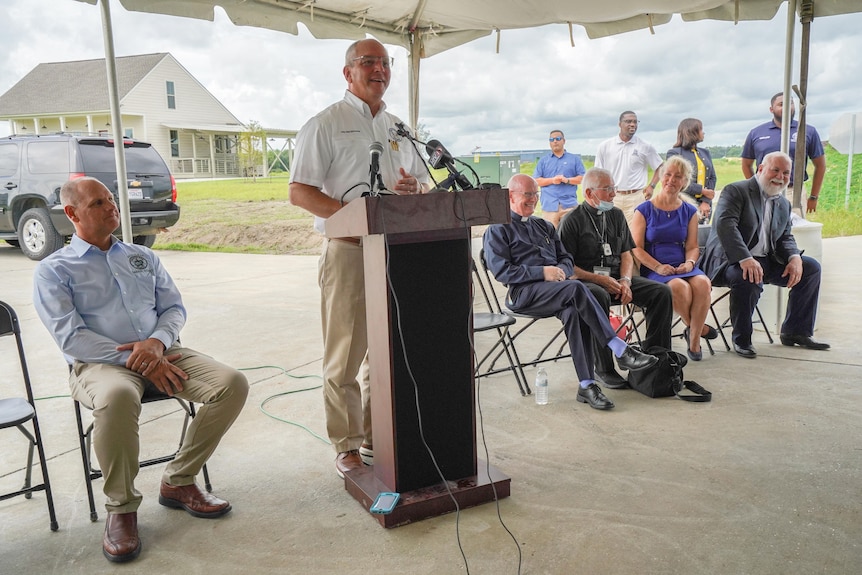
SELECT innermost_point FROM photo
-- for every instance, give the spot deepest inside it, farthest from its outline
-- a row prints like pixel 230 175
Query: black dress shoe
pixel 593 395
pixel 802 341
pixel 634 360
pixel 611 379
pixel 745 350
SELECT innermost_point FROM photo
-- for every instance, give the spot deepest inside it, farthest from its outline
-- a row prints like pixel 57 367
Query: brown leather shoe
pixel 193 499
pixel 347 461
pixel 121 542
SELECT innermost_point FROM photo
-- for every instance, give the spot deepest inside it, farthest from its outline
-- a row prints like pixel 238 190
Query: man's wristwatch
pixel 565 180
pixel 626 279
pixel 812 198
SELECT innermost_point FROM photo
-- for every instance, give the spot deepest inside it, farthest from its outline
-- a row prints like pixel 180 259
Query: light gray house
pixel 161 102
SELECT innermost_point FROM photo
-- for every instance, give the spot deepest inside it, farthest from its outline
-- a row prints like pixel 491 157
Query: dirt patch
pixel 255 227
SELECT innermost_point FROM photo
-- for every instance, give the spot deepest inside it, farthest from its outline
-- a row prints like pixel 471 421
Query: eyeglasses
pixel 528 194
pixel 609 189
pixel 555 139
pixel 371 61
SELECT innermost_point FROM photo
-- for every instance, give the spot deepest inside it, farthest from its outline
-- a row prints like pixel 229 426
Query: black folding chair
pixel 542 356
pixel 17 411
pixel 151 394
pixel 720 325
pixel 497 319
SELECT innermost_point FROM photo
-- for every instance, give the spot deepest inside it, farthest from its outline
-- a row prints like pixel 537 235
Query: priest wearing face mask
pixel 597 236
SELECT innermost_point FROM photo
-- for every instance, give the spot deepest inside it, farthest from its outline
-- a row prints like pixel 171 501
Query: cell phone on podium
pixel 385 502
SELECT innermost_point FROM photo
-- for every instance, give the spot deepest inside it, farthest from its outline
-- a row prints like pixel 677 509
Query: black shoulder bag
pixel 665 378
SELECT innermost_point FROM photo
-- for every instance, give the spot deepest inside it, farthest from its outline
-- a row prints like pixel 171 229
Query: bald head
pixel 523 194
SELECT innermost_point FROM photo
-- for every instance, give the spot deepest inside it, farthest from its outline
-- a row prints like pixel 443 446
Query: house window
pixel 175 144
pixel 225 145
pixel 172 95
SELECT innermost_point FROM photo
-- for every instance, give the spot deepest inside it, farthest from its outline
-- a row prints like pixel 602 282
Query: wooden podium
pixel 418 279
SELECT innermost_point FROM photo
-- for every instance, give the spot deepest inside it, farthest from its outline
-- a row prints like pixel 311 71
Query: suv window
pixel 8 159
pixel 48 157
pixel 141 159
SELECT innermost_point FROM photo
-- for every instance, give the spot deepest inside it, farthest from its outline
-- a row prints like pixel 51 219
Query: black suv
pixel 32 169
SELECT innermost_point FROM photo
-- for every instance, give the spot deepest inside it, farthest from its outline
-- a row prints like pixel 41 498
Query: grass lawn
pixel 256 216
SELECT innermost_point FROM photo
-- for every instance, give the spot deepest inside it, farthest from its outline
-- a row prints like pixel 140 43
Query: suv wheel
pixel 146 241
pixel 36 234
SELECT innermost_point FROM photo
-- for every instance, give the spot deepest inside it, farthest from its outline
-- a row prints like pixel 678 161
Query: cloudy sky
pixel 471 96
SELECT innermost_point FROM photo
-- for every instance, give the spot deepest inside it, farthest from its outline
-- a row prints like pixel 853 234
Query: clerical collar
pixel 591 208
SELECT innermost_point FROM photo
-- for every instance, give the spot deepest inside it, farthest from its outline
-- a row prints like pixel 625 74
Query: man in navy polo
pixel 559 174
pixel 766 138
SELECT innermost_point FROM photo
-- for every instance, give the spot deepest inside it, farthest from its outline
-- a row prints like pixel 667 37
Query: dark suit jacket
pixel 694 189
pixel 735 228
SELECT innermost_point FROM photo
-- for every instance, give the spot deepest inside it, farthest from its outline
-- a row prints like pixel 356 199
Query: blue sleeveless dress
pixel 665 237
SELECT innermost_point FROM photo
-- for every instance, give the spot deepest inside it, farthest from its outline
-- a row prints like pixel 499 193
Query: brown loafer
pixel 121 542
pixel 193 499
pixel 347 461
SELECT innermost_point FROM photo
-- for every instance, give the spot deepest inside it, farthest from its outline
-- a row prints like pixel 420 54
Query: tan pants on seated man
pixel 114 394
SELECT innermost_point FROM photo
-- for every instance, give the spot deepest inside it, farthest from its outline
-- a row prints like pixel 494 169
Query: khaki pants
pixel 555 217
pixel 346 391
pixel 114 394
pixel 628 202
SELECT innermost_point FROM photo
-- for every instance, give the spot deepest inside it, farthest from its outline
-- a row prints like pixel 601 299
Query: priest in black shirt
pixel 597 236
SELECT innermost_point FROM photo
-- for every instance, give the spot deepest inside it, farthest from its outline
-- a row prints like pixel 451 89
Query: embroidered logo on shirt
pixel 139 263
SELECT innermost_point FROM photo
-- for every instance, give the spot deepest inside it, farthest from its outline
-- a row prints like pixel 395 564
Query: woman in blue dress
pixel 664 230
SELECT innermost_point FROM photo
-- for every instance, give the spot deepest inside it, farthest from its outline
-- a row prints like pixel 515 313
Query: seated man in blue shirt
pixel 528 257
pixel 116 314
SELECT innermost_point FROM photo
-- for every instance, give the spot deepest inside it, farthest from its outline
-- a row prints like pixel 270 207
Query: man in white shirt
pixel 330 168
pixel 628 158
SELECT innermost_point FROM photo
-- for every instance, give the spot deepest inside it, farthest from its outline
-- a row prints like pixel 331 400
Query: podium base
pixel 428 501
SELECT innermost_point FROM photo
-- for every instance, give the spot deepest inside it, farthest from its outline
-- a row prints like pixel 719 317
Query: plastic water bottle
pixel 541 387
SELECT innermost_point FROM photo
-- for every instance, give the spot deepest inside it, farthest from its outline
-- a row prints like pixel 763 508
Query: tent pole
pixel 116 122
pixel 788 72
pixel 413 72
pixel 799 161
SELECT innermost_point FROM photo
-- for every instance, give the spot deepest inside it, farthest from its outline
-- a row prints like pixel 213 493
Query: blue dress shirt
pixel 93 301
pixel 556 195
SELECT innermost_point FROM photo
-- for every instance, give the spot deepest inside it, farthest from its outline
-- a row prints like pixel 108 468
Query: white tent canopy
pixel 428 27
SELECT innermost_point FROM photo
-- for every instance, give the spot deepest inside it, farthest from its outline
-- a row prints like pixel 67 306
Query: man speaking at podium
pixel 349 149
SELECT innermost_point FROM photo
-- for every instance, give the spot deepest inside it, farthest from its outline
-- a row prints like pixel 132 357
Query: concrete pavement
pixel 763 480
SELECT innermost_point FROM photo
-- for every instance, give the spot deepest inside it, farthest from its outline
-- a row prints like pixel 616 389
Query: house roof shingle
pixel 71 87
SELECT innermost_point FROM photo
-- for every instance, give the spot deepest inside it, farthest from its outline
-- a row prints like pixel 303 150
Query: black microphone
pixel 375 149
pixel 439 156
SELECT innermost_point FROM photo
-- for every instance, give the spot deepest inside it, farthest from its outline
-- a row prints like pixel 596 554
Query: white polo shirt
pixel 627 161
pixel 332 151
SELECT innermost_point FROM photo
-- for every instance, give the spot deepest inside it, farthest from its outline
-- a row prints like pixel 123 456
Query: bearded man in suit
pixel 750 244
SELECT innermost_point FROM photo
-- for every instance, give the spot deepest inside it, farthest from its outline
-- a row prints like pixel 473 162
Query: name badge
pixel 602 270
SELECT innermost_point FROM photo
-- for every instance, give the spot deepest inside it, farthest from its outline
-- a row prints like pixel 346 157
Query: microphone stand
pixel 403 132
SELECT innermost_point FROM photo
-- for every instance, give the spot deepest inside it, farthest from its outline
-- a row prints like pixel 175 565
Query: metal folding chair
pixel 151 394
pixel 542 356
pixel 17 411
pixel 497 319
